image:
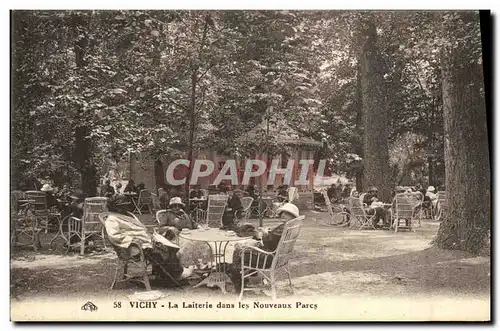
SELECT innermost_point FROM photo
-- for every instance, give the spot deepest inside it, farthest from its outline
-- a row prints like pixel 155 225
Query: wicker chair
pixel 133 255
pixel 357 214
pixel 403 210
pixel 23 224
pixel 333 217
pixel 89 225
pixel 144 200
pixel 126 258
pixel 212 217
pixel 441 206
pixel 245 213
pixel 155 202
pixel 279 258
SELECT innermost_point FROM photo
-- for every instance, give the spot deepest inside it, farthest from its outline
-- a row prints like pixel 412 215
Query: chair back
pixel 293 194
pixel 216 206
pixel 328 203
pixel 246 202
pixel 404 205
pixel 144 197
pixel 356 207
pixel 361 198
pixel 160 214
pixel 287 241
pixel 19 194
pixel 92 208
pixel 155 201
pixel 442 197
pixel 38 202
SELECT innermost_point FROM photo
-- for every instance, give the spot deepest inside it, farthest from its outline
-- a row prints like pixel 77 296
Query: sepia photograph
pixel 250 165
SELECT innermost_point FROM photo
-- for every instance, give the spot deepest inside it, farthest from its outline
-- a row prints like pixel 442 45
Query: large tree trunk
pixel 83 145
pixel 467 221
pixel 376 153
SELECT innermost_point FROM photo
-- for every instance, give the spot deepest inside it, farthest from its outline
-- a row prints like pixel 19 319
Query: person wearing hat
pixel 49 192
pixel 264 239
pixel 431 195
pixel 233 209
pixel 398 190
pixel 175 219
pixel 374 208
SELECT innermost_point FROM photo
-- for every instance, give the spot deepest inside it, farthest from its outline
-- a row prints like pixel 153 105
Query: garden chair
pixel 126 258
pixel 418 198
pixel 333 217
pixel 212 217
pixel 143 200
pixel 89 225
pixel 357 214
pixel 257 261
pixel 155 202
pixel 441 206
pixel 403 210
pixel 23 224
pixel 136 254
pixel 43 214
pixel 245 213
pixel 293 194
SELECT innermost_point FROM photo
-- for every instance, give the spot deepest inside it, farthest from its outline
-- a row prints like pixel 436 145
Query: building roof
pixel 281 131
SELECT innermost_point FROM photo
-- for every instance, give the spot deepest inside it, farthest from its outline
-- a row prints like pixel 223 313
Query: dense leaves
pixel 167 82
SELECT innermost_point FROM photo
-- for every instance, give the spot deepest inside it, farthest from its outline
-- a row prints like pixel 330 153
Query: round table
pixel 220 239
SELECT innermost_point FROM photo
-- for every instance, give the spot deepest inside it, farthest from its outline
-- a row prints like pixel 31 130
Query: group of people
pixel 175 219
pixel 377 209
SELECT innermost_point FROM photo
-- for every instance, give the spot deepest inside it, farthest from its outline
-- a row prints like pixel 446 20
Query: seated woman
pixel 374 207
pixel 263 239
pixel 122 230
pixel 172 222
pixel 175 219
pixel 233 209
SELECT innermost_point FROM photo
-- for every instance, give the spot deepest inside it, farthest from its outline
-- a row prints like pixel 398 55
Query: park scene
pixel 213 155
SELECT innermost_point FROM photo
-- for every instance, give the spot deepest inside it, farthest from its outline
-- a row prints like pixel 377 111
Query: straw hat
pixel 176 201
pixel 46 188
pixel 399 189
pixel 289 208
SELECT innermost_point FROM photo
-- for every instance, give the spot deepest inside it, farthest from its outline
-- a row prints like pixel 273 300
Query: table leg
pixel 218 277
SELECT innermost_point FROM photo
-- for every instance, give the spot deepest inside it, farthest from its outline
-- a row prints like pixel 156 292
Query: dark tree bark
pixel 467 221
pixel 83 153
pixel 376 154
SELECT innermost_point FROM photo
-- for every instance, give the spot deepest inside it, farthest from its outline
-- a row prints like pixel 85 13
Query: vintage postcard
pixel 250 165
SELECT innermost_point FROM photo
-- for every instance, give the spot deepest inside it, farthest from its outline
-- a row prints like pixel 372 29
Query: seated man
pixel 175 219
pixel 196 193
pixel 131 188
pixel 49 192
pixel 374 207
pixel 263 239
pixel 332 193
pixel 233 209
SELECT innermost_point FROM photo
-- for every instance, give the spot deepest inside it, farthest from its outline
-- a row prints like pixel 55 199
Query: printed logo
pixel 89 306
